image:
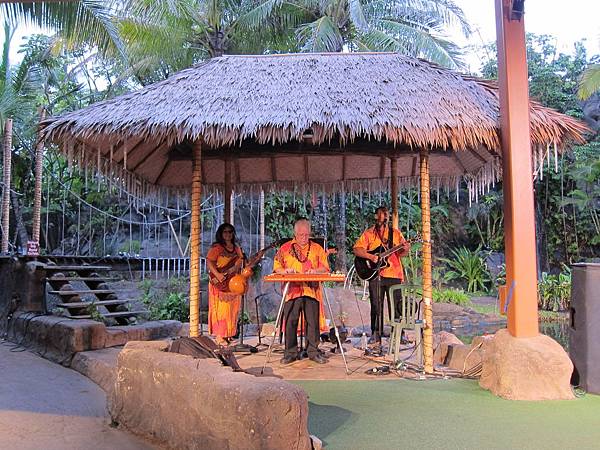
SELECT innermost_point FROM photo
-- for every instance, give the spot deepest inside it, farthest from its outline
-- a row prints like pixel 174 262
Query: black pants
pixel 291 316
pixel 378 290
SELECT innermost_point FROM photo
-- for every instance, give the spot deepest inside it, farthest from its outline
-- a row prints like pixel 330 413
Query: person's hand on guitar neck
pixel 405 250
pixel 218 276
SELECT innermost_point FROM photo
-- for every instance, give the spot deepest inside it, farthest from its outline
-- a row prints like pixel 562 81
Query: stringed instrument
pixel 367 269
pixel 304 277
pixel 246 272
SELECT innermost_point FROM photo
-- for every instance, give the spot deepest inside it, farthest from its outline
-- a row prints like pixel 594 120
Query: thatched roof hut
pixel 302 118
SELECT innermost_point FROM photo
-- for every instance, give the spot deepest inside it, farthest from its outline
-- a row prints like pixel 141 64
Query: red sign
pixel 33 248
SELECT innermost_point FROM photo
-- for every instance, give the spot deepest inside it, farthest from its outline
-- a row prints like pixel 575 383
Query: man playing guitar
pixel 384 236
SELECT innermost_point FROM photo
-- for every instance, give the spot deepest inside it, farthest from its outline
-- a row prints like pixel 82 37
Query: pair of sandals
pixel 224 342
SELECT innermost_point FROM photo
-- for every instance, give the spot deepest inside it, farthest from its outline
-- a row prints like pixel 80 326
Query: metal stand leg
pixel 277 321
pixel 337 334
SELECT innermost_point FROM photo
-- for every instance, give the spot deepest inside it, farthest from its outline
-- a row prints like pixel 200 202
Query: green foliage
pixel 95 315
pixel 486 220
pixel 168 303
pixel 133 247
pixel 554 291
pixel 568 200
pixel 281 211
pixel 469 267
pixel 454 296
pixel 245 318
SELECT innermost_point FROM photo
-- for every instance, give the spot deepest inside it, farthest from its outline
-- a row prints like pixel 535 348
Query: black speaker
pixel 584 326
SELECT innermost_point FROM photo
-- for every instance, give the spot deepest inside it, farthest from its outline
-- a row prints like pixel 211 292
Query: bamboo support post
pixel 195 239
pixel 394 191
pixel 37 196
pixel 6 177
pixel 427 288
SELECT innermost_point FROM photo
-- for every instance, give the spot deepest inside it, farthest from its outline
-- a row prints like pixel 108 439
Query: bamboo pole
pixel 394 191
pixel 6 192
pixel 195 239
pixel 427 288
pixel 37 196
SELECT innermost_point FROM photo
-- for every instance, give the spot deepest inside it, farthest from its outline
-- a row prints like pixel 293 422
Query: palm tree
pixel 82 22
pixel 411 27
pixel 170 35
pixel 173 34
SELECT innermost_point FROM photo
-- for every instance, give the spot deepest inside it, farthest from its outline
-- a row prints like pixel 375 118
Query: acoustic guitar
pixel 223 285
pixel 367 269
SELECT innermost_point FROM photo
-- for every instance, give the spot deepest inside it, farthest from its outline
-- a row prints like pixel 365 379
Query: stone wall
pixel 59 338
pixel 188 403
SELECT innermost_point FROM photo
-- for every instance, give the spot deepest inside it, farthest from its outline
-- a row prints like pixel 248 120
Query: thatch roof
pixel 292 119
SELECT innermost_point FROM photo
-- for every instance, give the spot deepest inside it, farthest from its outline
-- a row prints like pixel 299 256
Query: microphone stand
pixel 380 301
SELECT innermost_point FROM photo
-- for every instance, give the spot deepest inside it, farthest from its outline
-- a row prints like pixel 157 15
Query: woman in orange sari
pixel 224 257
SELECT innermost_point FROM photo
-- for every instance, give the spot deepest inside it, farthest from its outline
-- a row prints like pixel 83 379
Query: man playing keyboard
pixel 301 255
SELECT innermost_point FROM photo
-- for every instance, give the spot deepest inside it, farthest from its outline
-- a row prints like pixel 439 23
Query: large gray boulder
pixel 188 403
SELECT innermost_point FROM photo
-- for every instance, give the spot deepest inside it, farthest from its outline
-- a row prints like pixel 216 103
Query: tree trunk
pixel 216 44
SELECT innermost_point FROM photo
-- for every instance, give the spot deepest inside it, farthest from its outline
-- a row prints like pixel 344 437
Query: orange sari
pixel 223 307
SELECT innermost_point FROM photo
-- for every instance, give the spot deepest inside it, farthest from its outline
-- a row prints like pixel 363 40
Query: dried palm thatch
pixel 290 120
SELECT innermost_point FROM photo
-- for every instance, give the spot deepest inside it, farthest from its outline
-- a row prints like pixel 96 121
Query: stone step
pixel 82 291
pixel 100 279
pixel 75 268
pixel 112 314
pixel 86 304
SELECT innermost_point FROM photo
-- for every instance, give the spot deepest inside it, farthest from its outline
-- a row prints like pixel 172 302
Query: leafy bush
pixel 554 291
pixel 469 267
pixel 168 303
pixel 454 296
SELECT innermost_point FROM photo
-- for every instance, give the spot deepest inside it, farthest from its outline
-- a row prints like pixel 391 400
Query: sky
pixel 568 21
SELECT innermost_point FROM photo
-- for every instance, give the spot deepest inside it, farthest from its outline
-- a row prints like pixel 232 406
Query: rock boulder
pixel 534 368
pixel 192 403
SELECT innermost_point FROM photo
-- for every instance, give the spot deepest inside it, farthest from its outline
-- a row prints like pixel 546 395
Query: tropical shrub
pixel 168 303
pixel 454 296
pixel 468 267
pixel 554 291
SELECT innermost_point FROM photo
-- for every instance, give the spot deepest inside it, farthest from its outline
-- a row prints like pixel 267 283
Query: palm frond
pixel 279 15
pixel 86 22
pixel 418 42
pixel 446 11
pixel 590 82
pixel 322 35
pixel 156 44
pixel 357 15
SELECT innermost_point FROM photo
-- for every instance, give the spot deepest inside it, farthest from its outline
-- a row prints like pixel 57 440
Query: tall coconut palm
pixel 169 35
pixel 173 34
pixel 412 27
pixel 81 22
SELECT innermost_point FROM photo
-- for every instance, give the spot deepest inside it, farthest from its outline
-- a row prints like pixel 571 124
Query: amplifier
pixel 584 331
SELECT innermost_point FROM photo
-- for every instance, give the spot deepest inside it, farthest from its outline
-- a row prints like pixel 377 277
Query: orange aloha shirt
pixel 316 259
pixel 370 240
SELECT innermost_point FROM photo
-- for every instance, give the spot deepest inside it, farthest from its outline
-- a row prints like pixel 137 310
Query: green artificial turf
pixel 444 414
